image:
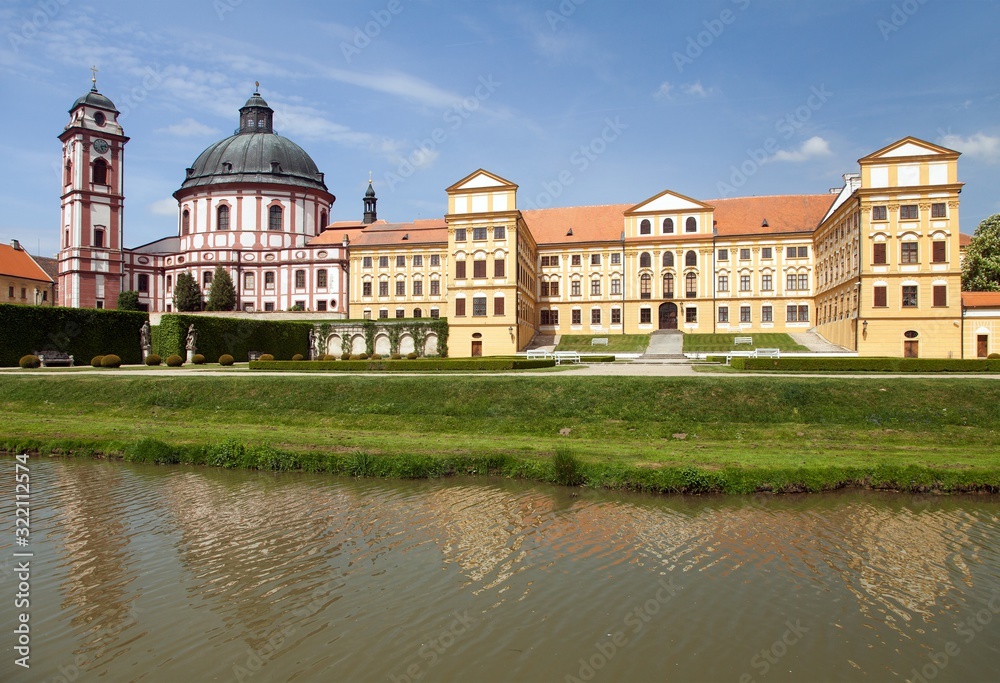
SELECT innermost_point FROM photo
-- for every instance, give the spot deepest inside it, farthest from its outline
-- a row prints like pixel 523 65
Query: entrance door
pixel 477 349
pixel 910 349
pixel 668 316
pixel 982 346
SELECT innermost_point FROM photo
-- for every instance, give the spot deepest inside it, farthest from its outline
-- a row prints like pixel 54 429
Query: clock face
pixel 100 146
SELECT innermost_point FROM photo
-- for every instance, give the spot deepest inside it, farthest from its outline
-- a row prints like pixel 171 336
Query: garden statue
pixel 191 343
pixel 145 340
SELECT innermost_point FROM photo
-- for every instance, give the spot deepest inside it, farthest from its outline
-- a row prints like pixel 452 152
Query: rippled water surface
pixel 174 574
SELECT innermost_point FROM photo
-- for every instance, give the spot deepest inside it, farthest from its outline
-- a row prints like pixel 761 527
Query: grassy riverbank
pixel 730 435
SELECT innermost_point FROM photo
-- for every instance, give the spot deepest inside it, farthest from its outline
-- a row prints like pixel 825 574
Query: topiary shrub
pixel 174 361
pixel 153 360
pixel 412 355
pixel 30 362
pixel 376 356
pixel 992 356
pixel 225 359
pixel 111 361
pixel 96 361
pixel 346 356
pixel 362 356
pixel 395 356
pixel 298 356
pixel 329 356
pixel 198 359
pixel 266 357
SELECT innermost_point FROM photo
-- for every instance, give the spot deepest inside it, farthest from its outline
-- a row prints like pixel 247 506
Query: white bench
pixel 599 341
pixel 743 340
pixel 538 353
pixel 566 357
pixel 739 354
pixel 50 358
pixel 767 353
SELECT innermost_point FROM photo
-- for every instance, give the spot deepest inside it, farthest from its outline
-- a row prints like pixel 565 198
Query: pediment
pixel 481 180
pixel 667 202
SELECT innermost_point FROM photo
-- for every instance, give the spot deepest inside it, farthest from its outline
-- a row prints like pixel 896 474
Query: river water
pixel 185 574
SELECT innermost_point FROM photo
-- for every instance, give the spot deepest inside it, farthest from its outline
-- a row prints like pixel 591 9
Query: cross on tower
pixel 93 78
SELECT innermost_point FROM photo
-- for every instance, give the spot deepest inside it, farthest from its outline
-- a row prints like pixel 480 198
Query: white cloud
pixel 164 207
pixel 663 92
pixel 812 148
pixel 697 89
pixel 188 128
pixel 978 146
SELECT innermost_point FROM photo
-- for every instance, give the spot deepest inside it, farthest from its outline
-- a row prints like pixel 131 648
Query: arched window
pixel 67 239
pixel 274 218
pixel 644 227
pixel 69 173
pixel 417 313
pixel 323 219
pixel 691 258
pixel 668 226
pixel 691 285
pixel 222 218
pixel 668 286
pixel 100 172
pixel 645 286
pixel 185 222
pixel 668 259
pixel 691 225
pixel 645 260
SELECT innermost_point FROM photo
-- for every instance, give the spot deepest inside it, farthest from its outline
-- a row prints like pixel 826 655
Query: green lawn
pixel 714 343
pixel 659 434
pixel 617 343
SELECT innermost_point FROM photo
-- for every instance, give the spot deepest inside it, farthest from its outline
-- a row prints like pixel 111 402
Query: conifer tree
pixel 187 294
pixel 222 295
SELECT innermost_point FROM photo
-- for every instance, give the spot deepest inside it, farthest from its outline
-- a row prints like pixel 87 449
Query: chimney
pixel 15 245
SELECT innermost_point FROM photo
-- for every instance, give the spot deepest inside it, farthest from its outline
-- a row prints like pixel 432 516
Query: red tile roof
pixel 589 223
pixel 964 239
pixel 981 299
pixel 17 263
pixel 783 213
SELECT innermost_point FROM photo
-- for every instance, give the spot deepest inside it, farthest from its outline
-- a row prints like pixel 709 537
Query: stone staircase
pixel 665 345
pixel 813 341
pixel 543 341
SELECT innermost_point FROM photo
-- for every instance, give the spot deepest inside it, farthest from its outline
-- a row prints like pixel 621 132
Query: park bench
pixel 254 355
pixel 538 353
pixel 566 357
pixel 739 354
pixel 743 340
pixel 599 341
pixel 50 358
pixel 767 353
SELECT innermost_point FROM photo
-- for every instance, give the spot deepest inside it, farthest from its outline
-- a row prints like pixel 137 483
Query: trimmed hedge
pixel 174 361
pixel 111 361
pixel 153 360
pixel 226 359
pixel 425 365
pixel 233 336
pixel 868 364
pixel 81 332
pixel 30 362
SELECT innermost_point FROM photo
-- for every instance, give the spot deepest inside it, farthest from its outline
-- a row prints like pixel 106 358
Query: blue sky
pixel 578 102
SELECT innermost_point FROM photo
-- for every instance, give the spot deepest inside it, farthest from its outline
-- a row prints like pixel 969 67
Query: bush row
pixel 423 365
pixel 869 364
pixel 232 336
pixel 80 332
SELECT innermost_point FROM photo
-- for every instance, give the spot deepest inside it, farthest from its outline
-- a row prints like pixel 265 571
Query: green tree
pixel 128 301
pixel 187 293
pixel 222 295
pixel 981 268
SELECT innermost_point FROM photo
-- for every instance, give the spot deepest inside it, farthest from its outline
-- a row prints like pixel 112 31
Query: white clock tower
pixel 93 155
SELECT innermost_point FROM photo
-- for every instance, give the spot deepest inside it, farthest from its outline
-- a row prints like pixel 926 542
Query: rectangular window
pixel 803 314
pixel 575 260
pixel 744 314
pixel 744 283
pixel 803 252
pixel 269 280
pixel 459 234
pixel 908 212
pixel 940 295
pixel 554 317
pixel 909 296
pixel 803 281
pixel 321 278
pixel 207 279
pixel 765 283
pixel 791 282
pixel 879 213
pixel 553 289
pixel 400 287
pixel 435 313
pixel 880 299
pixel 595 316
pixel 908 252
pixel 791 313
pixel 499 267
pixel 645 287
pixel 498 308
pixel 418 288
pixel 645 316
pixel 170 284
pixel 459 307
pixel 616 259
pixel 544 317
pixel 383 261
pixel 575 317
pixel 938 251
pixel 550 261
pixel 766 314
pixel 616 286
pixel 479 306
pixel 269 307
pixel 383 313
pixel 595 259
pixel 723 283
pixel 616 316
pixel 418 261
pixel 366 262
pixel 143 283
pixel 435 288
pixel 479 234
pixel 248 281
pixel 499 232
pixel 366 289
pixel 401 262
pixel 744 254
pixel 723 254
pixel 545 289
pixel 459 270
pixel 723 314
pixel 878 253
pixel 691 315
pixel 400 313
pixel 383 288
pixel 939 210
pixel 479 269
pixel 435 260
pixel 574 288
pixel 595 288
pixel 765 252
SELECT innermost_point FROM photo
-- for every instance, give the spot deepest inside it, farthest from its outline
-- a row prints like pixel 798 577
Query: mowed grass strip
pixel 617 343
pixel 714 343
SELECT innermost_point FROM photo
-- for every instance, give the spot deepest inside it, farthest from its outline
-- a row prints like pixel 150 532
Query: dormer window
pixel 227 167
pixel 275 167
pixel 99 119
